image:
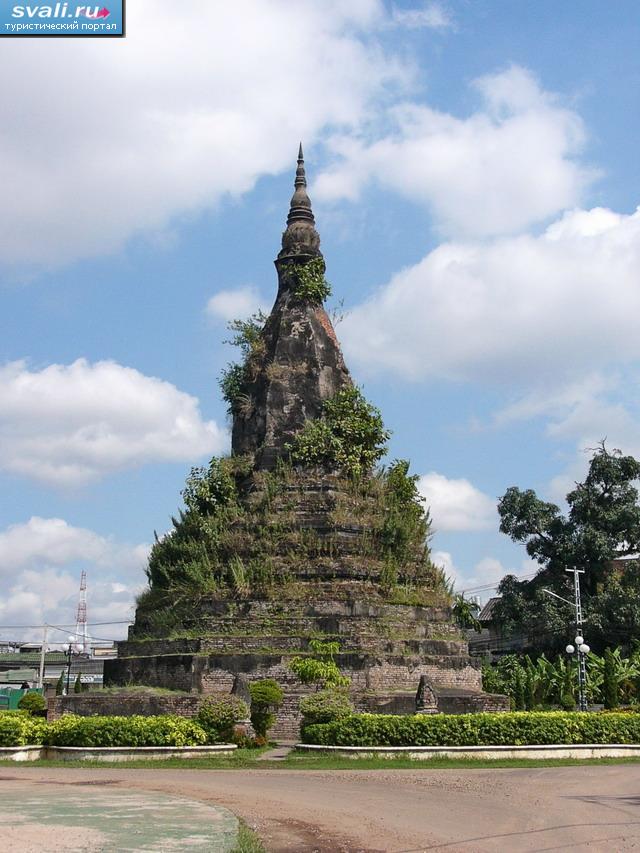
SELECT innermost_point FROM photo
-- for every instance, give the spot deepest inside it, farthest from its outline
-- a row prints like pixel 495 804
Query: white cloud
pixel 239 303
pixel 430 16
pixel 598 407
pixel 102 142
pixel 54 542
pixel 496 172
pixel 457 504
pixel 487 572
pixel 40 564
pixel 68 425
pixel 553 307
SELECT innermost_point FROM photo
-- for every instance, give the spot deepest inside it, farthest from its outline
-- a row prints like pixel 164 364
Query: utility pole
pixel 43 651
pixel 580 648
pixel 81 615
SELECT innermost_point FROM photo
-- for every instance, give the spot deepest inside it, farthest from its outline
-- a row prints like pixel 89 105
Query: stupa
pixel 296 536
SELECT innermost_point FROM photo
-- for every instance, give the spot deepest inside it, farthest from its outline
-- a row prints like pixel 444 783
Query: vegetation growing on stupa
pixel 349 436
pixel 310 283
pixel 239 534
pixel 235 376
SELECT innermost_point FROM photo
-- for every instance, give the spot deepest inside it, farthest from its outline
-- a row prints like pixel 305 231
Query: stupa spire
pixel 301 238
pixel 300 208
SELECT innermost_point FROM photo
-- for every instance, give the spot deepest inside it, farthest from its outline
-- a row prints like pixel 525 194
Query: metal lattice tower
pixel 81 616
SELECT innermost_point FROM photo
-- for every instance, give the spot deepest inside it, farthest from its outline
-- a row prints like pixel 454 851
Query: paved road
pixel 548 809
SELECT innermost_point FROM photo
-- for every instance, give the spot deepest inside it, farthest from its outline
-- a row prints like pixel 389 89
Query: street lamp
pixel 580 648
pixel 68 650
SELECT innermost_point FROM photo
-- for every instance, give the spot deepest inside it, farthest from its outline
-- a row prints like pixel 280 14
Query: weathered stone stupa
pixel 290 540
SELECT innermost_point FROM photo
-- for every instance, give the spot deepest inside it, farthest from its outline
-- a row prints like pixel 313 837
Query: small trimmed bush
pixel 18 729
pixel 266 697
pixel 508 729
pixel 71 730
pixel 325 706
pixel 218 716
pixel 32 702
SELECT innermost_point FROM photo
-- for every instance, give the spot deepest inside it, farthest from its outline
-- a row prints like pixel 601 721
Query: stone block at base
pixel 537 751
pixel 112 753
pixel 21 753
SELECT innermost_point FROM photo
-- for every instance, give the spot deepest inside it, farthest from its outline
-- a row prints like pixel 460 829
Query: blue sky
pixel 474 174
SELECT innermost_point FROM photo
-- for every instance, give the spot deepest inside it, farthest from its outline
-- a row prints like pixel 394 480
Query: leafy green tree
pixel 519 699
pixel 567 695
pixel 465 613
pixel 529 688
pixel 610 682
pixel 602 524
pixel 60 685
pixel 320 669
pixel 78 687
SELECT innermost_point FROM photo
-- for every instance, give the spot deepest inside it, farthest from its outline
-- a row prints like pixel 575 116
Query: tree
pixel 465 613
pixel 320 669
pixel 529 688
pixel 60 685
pixel 602 525
pixel 78 687
pixel 519 697
pixel 610 682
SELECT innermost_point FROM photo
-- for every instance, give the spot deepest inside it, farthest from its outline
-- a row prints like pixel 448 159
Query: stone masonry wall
pixel 124 705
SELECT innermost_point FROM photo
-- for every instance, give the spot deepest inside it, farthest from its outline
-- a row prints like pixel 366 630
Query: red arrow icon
pixel 103 13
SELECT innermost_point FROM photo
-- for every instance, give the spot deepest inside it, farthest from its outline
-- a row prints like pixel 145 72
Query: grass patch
pixel 304 761
pixel 248 841
pixel 244 759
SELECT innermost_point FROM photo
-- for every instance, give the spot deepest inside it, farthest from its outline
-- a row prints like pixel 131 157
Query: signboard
pixel 62 19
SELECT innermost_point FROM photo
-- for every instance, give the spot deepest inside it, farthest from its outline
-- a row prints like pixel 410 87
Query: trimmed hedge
pixel 71 730
pixel 218 716
pixel 21 729
pixel 508 729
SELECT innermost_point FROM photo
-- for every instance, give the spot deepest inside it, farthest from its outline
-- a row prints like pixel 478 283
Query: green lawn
pixel 248 759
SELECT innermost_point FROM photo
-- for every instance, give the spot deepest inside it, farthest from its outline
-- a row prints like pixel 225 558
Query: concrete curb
pixel 536 751
pixel 111 753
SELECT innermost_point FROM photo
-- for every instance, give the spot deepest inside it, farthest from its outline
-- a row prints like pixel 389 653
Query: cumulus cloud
pixel 481 580
pixel 457 504
pixel 553 307
pixel 70 424
pixel 508 165
pixel 40 564
pixel 54 542
pixel 237 303
pixel 183 112
pixel 431 16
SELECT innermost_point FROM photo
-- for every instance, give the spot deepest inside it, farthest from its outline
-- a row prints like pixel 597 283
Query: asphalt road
pixel 584 808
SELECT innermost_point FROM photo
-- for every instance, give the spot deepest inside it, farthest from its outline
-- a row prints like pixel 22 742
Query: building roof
pixel 487 614
pixel 27 658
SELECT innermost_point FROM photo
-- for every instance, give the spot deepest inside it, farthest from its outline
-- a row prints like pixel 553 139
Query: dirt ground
pixel 583 808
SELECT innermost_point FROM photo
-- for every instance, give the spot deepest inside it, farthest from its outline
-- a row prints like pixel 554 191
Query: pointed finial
pixel 300 203
pixel 300 239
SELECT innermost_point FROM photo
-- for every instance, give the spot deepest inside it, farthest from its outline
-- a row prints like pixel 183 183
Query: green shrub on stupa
pixel 233 535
